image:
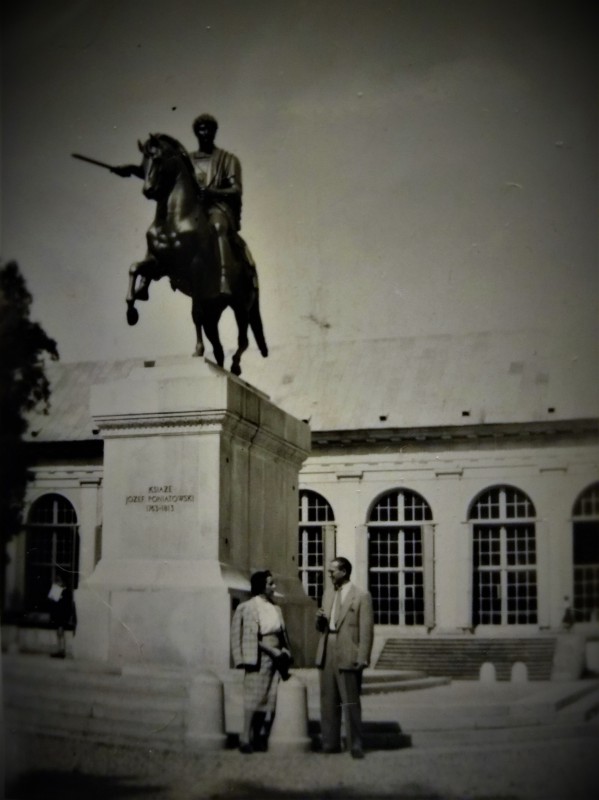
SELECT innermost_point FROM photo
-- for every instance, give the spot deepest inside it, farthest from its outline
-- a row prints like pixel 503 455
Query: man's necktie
pixel 336 609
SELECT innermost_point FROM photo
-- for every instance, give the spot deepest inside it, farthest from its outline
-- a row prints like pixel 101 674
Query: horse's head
pixel 163 160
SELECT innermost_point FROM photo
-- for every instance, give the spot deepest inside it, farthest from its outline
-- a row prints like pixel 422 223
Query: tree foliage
pixel 23 387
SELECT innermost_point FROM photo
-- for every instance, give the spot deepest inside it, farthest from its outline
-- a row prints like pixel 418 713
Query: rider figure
pixel 218 174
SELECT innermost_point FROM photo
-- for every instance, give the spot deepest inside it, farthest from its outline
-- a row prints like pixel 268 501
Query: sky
pixel 411 167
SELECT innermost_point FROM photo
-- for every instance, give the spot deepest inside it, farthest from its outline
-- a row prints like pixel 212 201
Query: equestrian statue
pixel 194 239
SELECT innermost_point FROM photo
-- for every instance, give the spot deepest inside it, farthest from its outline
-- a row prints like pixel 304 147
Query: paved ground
pixel 550 770
pixel 467 745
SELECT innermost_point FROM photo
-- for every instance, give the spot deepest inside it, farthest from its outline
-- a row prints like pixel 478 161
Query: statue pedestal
pixel 200 489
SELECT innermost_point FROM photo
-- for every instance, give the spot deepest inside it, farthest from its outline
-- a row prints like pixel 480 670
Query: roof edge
pixel 576 428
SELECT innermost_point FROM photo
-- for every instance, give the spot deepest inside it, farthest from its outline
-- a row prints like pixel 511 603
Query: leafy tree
pixel 23 387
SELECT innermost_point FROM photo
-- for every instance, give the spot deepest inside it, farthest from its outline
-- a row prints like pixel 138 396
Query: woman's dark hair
pixel 258 581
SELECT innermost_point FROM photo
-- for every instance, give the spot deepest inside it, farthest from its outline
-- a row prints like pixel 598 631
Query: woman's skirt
pixel 260 687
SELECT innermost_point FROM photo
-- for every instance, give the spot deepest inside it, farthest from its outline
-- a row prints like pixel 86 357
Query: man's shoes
pixel 330 750
pixel 357 752
pixel 246 748
pixel 260 744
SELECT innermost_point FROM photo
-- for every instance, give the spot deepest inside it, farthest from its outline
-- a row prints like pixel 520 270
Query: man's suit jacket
pixel 355 628
pixel 245 628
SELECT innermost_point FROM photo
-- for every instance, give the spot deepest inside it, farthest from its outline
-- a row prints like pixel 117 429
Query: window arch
pixel 52 548
pixel 504 558
pixel 314 514
pixel 585 543
pixel 396 557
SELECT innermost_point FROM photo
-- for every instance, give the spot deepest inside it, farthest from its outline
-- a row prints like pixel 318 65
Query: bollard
pixel 206 713
pixel 290 727
pixel 487 673
pixel 519 673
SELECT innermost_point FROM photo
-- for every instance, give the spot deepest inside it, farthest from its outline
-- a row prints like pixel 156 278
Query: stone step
pixel 97 686
pixel 50 722
pixel 501 706
pixel 448 719
pixel 393 675
pixel 92 693
pixel 463 657
pixel 71 676
pixel 557 700
pixel 154 711
pixel 584 708
pixel 403 684
pixel 110 737
pixel 134 705
pixel 468 737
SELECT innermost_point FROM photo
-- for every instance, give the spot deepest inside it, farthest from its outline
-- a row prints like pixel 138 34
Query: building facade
pixel 469 511
pixel 490 534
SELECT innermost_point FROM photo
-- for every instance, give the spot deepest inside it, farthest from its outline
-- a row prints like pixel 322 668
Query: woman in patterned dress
pixel 261 648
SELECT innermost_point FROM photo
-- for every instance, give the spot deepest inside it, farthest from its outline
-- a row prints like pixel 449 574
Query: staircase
pixel 378 680
pixel 462 658
pixel 69 699
pixel 146 707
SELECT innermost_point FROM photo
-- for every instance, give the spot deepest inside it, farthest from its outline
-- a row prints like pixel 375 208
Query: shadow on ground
pixel 253 791
pixel 41 785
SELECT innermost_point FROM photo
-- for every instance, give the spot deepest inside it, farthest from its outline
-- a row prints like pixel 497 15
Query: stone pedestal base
pixel 199 490
pixel 142 611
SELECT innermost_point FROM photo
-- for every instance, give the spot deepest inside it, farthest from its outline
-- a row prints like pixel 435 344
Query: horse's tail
pixel 256 325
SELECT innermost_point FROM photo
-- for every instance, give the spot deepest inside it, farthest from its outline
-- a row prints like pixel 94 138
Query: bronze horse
pixel 181 245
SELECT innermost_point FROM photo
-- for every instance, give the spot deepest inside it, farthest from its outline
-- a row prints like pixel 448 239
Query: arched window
pixel 396 557
pixel 52 549
pixel 505 557
pixel 314 513
pixel 585 538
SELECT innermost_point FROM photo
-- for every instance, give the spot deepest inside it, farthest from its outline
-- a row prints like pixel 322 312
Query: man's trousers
pixel 339 696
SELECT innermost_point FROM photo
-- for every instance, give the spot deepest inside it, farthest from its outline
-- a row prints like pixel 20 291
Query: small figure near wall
pixel 260 647
pixel 568 619
pixel 63 614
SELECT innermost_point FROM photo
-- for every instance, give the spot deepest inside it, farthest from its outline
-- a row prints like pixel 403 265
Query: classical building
pixel 460 475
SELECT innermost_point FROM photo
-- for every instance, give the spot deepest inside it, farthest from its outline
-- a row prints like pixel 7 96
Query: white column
pixel 360 566
pixel 89 521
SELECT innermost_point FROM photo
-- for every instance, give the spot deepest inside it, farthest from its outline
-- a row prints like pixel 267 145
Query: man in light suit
pixel 345 622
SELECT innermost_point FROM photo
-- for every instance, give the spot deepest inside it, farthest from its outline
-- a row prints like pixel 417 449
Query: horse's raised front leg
pixel 138 291
pixel 241 317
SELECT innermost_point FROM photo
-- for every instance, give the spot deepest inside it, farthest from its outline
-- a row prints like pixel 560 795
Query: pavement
pixel 469 741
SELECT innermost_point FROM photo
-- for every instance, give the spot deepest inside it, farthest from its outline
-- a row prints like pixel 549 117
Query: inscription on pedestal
pixel 159 499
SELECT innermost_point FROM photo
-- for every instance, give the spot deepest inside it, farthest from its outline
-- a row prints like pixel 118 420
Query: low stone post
pixel 487 673
pixel 519 673
pixel 205 729
pixel 290 727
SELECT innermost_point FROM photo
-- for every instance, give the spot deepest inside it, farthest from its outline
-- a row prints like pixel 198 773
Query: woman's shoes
pixel 246 748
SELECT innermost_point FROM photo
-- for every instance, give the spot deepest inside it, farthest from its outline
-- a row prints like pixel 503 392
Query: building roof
pixel 472 379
